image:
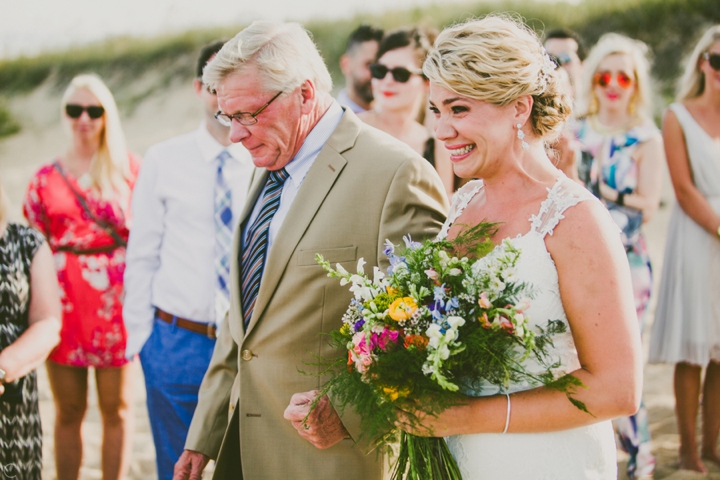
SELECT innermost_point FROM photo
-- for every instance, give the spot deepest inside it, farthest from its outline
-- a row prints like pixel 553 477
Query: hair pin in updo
pixel 546 71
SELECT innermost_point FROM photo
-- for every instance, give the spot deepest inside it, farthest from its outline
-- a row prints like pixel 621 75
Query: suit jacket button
pixel 246 355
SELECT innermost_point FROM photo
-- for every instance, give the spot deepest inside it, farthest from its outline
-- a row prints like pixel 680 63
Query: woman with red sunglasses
pixel 686 331
pixel 400 97
pixel 621 164
pixel 81 203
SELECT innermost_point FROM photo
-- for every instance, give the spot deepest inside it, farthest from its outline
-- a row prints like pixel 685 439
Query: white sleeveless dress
pixel 580 453
pixel 687 316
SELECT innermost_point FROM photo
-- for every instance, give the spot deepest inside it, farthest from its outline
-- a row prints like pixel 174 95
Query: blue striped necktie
pixel 255 249
pixel 223 239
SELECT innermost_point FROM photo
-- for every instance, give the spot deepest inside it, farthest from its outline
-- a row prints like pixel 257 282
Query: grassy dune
pixel 669 27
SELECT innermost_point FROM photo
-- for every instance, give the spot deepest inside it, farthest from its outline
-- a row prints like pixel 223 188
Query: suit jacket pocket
pixel 332 255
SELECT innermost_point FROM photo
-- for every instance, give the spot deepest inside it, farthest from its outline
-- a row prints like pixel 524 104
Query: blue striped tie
pixel 223 239
pixel 255 250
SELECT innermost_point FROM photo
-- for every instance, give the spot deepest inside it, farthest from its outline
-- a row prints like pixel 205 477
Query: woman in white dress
pixel 687 319
pixel 497 99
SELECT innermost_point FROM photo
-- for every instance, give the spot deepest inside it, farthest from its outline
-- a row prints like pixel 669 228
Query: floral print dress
pixel 610 158
pixel 90 271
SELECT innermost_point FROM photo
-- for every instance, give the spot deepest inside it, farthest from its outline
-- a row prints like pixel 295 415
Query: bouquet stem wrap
pixel 420 458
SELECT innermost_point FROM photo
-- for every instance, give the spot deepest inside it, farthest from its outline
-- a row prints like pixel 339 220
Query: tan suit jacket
pixel 364 187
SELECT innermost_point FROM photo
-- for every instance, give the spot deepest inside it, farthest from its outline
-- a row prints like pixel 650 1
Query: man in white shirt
pixel 188 195
pixel 360 52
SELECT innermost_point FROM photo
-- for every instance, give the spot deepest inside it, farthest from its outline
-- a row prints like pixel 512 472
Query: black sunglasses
pixel 400 74
pixel 74 111
pixel 713 59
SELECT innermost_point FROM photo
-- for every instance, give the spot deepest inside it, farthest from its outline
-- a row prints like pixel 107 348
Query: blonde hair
pixel 284 53
pixel 110 168
pixel 614 44
pixel 498 59
pixel 692 81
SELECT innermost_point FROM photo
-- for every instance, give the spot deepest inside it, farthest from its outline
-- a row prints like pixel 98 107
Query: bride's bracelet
pixel 507 417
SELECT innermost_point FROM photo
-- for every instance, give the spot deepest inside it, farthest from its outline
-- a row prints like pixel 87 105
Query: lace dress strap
pixel 460 200
pixel 563 195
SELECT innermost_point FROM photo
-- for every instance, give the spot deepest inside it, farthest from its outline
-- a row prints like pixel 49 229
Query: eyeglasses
pixel 93 111
pixel 713 59
pixel 400 74
pixel 604 78
pixel 243 118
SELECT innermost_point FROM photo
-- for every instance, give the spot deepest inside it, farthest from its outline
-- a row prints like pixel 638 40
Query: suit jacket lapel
pixel 316 186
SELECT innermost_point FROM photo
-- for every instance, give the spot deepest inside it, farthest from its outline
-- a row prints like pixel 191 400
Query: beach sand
pixel 176 110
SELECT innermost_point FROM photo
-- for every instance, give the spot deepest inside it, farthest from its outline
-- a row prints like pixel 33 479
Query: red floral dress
pixel 91 280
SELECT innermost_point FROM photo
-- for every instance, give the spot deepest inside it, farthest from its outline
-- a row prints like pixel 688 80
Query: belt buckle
pixel 211 331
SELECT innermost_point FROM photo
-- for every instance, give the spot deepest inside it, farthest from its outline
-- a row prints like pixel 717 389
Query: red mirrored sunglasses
pixel 604 78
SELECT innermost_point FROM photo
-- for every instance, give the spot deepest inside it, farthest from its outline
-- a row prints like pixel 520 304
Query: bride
pixel 497 99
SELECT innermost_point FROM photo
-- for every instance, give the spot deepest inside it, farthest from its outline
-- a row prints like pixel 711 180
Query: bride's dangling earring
pixel 521 136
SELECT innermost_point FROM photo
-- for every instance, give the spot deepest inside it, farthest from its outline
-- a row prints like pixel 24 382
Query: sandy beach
pixel 174 111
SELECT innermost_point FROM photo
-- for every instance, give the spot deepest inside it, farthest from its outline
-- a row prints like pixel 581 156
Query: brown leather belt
pixel 207 329
pixel 86 251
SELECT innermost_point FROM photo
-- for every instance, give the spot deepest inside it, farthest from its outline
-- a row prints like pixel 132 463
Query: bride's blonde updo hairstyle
pixel 498 59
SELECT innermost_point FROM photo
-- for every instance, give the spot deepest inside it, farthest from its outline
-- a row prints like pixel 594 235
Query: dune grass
pixel 669 27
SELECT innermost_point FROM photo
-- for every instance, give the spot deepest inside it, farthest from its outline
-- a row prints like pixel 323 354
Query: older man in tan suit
pixel 327 184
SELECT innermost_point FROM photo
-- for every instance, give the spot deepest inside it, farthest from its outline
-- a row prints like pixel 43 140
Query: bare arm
pixel 649 156
pixel 693 203
pixel 596 292
pixel 35 344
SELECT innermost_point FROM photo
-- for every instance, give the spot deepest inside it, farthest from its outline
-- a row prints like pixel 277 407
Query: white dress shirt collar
pixel 210 148
pixel 314 142
pixel 345 99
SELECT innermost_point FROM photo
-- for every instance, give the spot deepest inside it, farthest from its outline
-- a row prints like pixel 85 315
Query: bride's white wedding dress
pixel 580 453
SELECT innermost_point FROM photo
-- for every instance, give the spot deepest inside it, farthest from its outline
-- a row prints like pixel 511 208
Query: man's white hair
pixel 283 53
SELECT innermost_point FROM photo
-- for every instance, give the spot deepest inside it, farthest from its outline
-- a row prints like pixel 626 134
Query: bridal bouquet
pixel 448 317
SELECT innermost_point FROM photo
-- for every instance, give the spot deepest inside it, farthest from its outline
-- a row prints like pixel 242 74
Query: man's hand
pixel 323 427
pixel 190 465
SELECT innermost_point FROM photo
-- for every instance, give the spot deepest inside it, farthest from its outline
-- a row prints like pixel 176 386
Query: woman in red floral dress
pixel 81 202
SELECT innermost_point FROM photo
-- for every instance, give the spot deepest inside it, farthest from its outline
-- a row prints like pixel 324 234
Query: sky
pixel 28 27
